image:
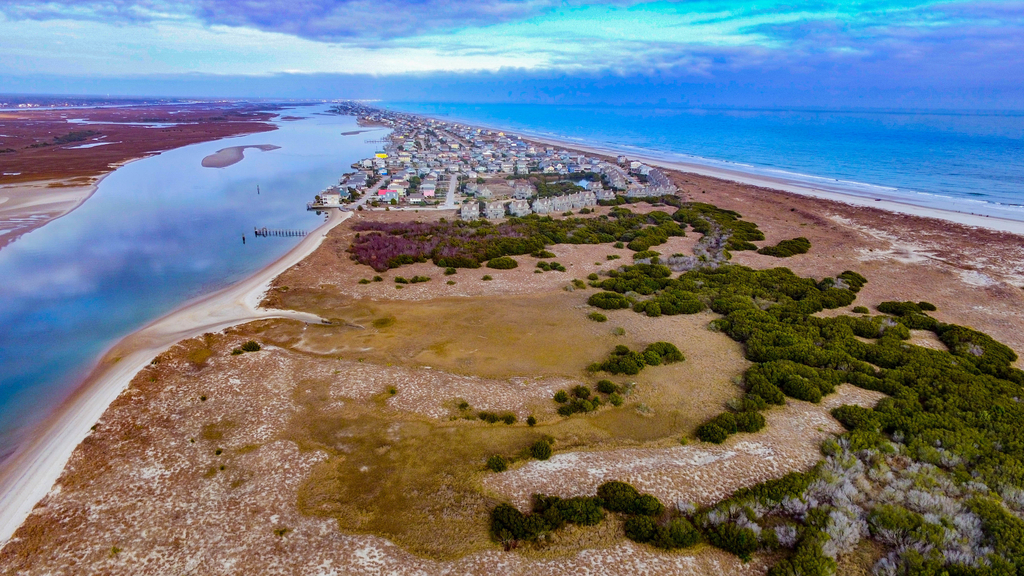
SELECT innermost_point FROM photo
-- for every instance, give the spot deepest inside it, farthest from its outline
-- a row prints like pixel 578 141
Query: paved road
pixel 449 200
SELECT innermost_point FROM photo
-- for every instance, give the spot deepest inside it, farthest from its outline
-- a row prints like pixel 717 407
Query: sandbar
pixel 227 156
pixel 28 476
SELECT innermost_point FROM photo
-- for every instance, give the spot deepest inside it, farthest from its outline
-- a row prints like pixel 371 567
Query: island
pixel 564 360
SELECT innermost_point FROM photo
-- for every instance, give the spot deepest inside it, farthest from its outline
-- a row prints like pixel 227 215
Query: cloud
pixel 322 20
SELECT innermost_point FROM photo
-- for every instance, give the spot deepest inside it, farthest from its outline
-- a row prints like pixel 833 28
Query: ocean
pixel 964 161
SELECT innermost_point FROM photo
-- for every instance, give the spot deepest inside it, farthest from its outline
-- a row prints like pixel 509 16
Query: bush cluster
pixel 549 266
pixel 502 263
pixel 647 520
pixel 462 244
pixel 625 361
pixel 492 418
pixel 787 248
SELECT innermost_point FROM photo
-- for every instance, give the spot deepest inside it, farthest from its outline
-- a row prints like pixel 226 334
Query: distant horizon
pixel 149 99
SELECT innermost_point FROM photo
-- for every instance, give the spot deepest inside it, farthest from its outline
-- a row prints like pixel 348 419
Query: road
pixel 449 200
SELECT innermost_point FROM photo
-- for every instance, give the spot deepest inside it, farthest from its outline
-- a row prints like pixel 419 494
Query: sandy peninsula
pixel 28 475
pixel 227 156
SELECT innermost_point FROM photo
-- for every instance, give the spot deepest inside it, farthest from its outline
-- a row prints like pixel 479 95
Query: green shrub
pixel 609 301
pixel 540 450
pixel 418 279
pixel 740 541
pixel 251 346
pixel 640 528
pixel 487 277
pixel 615 399
pixel 617 496
pixel 678 534
pixel 449 271
pixel 401 280
pixel 711 432
pixel 581 392
pixel 860 310
pixel 364 281
pixel 593 277
pixel 378 279
pixel 561 397
pixel 787 248
pixel 613 257
pixel 597 317
pixel 497 463
pixel 502 263
pixel 542 254
pixel 607 387
pixel 531 420
pixel 618 245
pixel 927 306
pixel 749 421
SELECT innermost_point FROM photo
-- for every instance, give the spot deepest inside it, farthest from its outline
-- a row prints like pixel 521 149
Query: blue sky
pixel 811 52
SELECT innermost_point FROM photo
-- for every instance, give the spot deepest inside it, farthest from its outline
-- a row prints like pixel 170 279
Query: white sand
pixel 29 475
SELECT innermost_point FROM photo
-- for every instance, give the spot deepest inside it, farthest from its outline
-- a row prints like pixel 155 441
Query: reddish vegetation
pixel 35 143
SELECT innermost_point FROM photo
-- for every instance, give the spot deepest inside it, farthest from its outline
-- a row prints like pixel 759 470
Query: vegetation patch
pixel 787 248
pixel 625 361
pixel 462 244
pixel 502 263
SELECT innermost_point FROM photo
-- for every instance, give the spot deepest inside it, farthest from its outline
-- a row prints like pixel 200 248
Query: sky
pixel 871 53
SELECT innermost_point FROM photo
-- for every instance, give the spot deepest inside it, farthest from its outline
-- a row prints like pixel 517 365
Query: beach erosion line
pixel 31 472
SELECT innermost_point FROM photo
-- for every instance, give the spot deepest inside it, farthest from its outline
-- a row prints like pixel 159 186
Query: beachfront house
pixel 469 211
pixel 519 208
pixel 542 206
pixel 494 210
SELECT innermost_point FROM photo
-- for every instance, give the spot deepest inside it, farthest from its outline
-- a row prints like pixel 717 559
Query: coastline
pixel 796 187
pixel 34 204
pixel 29 474
pixel 894 205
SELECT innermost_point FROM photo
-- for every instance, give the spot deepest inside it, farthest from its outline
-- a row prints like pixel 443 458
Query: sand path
pixel 29 475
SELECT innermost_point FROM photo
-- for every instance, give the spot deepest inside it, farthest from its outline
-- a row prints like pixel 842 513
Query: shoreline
pixel 794 186
pixel 30 474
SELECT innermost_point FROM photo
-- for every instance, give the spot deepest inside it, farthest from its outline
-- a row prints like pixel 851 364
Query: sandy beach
pixel 27 206
pixel 227 156
pixel 880 201
pixel 28 475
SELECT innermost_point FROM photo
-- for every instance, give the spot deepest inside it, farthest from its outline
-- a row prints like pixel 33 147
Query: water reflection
pixel 158 232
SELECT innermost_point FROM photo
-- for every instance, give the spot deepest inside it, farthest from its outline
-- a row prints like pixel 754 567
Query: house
pixel 542 206
pixel 560 204
pixel 387 195
pixel 494 210
pixel 415 198
pixel 330 197
pixel 522 190
pixel 605 194
pixel 582 199
pixel 469 211
pixel 519 208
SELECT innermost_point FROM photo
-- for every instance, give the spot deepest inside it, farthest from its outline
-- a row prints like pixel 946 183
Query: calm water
pixel 963 161
pixel 157 233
